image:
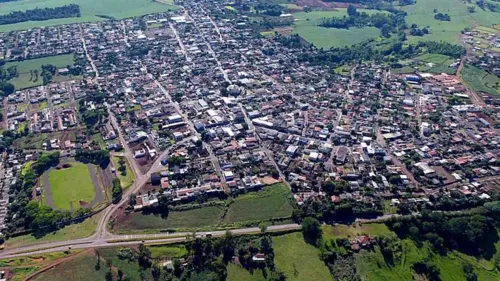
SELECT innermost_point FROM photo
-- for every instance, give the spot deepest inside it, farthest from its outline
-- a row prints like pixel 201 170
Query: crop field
pixel 270 202
pixel 91 10
pixel 321 37
pixel 70 186
pixel 24 68
pixel 480 81
pixel 80 268
pixel 298 260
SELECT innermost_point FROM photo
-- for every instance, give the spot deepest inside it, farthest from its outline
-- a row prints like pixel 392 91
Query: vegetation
pixel 299 260
pixel 97 157
pixel 66 11
pixel 91 10
pixel 76 269
pixel 480 81
pixel 124 173
pixel 71 187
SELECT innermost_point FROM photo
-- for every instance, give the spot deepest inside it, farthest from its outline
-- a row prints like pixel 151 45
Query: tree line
pixel 66 11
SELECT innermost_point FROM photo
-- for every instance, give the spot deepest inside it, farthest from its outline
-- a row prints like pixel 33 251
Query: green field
pixel 371 265
pixel 167 251
pixel 80 268
pixel 131 270
pixel 197 218
pixel 299 260
pixel 90 10
pixel 127 179
pixel 270 202
pixel 24 80
pixel 441 63
pixel 69 186
pixel 339 231
pixel 306 27
pixel 72 231
pixel 237 273
pixel 480 81
pixel 422 14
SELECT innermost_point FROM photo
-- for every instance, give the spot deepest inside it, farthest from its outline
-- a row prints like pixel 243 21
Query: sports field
pixel 24 68
pixel 90 10
pixel 298 260
pixel 307 27
pixel 68 187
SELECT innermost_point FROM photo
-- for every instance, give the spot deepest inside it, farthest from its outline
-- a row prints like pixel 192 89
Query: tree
pixel 144 256
pixel 386 30
pixel 311 229
pixel 156 272
pixel 109 276
pixel 120 275
pixel 352 11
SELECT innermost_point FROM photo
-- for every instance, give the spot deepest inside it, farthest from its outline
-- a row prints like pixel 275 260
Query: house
pixel 259 257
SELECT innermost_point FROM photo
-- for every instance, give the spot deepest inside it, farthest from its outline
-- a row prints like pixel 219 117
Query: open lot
pixel 342 231
pixel 266 204
pixel 91 10
pixel 70 187
pixel 298 260
pixel 126 179
pixel 270 202
pixel 307 27
pixel 197 218
pixel 24 68
pixel 480 81
pixel 80 268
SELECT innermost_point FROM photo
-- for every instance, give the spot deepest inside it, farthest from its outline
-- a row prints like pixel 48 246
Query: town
pixel 192 106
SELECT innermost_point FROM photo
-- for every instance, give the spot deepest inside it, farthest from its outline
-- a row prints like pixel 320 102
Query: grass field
pixel 422 14
pixel 237 273
pixel 90 10
pixel 270 202
pixel 72 231
pixel 80 268
pixel 24 80
pixel 167 251
pixel 71 186
pixel 441 63
pixel 341 231
pixel 480 81
pixel 127 179
pixel 207 216
pixel 371 265
pixel 306 27
pixel 130 269
pixel 299 260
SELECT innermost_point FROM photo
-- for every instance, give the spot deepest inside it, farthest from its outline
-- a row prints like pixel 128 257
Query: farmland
pixel 299 260
pixel 70 186
pixel 480 81
pixel 321 37
pixel 91 10
pixel 24 68
pixel 271 202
